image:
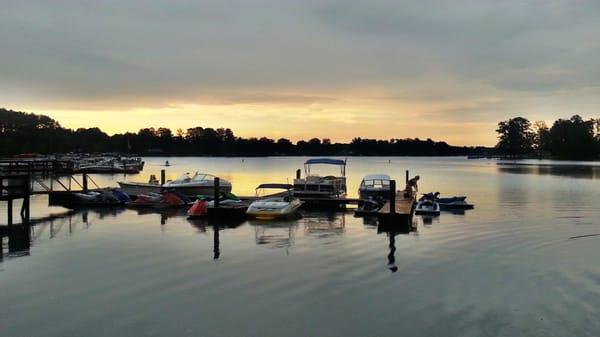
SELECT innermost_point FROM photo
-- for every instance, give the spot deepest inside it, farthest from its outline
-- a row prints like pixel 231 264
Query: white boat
pixel 275 205
pixel 198 184
pixel 374 185
pixel 313 185
pixel 427 207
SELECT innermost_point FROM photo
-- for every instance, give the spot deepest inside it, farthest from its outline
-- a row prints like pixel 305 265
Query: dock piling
pixel 217 190
pixel 85 182
pixel 407 176
pixel 162 179
pixel 392 196
pixel 298 173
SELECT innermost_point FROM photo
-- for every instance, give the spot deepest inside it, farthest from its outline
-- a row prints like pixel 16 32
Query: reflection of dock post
pixel 392 196
pixel 216 250
pixel 217 194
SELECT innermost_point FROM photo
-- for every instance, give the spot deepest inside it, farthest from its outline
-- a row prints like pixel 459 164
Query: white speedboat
pixel 427 207
pixel 198 184
pixel 313 185
pixel 375 186
pixel 275 205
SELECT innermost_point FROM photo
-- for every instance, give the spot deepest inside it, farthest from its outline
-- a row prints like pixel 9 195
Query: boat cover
pixel 280 186
pixel 326 161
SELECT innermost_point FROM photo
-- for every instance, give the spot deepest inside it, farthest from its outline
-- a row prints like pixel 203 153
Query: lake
pixel 524 262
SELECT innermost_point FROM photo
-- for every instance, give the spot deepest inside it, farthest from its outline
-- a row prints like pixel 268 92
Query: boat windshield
pixel 203 177
pixel 183 178
pixel 376 183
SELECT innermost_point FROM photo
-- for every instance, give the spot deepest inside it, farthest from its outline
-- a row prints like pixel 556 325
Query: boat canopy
pixel 328 161
pixel 383 177
pixel 278 186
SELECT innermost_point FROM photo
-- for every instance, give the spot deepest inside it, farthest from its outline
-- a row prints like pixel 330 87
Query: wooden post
pixel 407 176
pixel 217 190
pixel 392 196
pixel 162 179
pixel 85 182
pixel 9 211
pixel 298 173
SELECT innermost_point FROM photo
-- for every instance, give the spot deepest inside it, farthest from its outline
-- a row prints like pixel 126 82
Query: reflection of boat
pixel 316 186
pixel 199 183
pixel 427 207
pixel 274 234
pixel 374 185
pixel 276 205
pixel 324 223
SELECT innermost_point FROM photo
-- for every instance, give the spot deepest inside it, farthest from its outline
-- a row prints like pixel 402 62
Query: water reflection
pixel 573 171
pixel 216 226
pixel 19 238
pixel 324 223
pixel 392 231
pixel 275 234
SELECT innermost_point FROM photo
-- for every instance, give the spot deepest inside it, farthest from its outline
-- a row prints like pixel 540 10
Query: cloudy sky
pixel 449 70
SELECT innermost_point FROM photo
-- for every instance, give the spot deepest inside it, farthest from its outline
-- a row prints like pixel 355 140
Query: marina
pixel 185 261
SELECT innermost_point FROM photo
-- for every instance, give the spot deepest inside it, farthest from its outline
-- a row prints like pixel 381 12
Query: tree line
pixel 573 138
pixel 30 133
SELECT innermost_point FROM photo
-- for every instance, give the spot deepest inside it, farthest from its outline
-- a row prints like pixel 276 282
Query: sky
pixel 446 70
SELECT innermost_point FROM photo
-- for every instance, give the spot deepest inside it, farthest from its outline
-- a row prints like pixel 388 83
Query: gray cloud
pixel 156 52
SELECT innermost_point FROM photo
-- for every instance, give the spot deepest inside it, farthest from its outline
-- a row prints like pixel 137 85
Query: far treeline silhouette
pixel 573 138
pixel 30 133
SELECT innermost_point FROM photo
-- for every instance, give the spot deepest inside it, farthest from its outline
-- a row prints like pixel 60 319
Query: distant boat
pixel 167 163
pixel 198 184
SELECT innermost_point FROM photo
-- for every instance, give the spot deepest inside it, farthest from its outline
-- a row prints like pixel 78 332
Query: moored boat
pixel 272 206
pixel 374 185
pixel 313 185
pixel 198 184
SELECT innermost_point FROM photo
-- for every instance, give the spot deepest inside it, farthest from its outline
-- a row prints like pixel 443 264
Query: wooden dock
pixel 398 211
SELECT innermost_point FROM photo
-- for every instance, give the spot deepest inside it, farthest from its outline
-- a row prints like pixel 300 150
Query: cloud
pixel 453 60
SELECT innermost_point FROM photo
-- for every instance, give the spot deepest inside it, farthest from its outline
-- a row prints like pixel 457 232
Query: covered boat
pixel 374 185
pixel 198 184
pixel 277 205
pixel 313 185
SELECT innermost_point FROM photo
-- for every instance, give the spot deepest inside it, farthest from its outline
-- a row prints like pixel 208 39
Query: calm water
pixel 524 262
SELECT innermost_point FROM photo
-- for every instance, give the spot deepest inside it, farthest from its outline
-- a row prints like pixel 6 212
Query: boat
pixel 108 197
pixel 456 202
pixel 272 206
pixel 374 185
pixel 160 200
pixel 199 183
pixel 313 185
pixel 427 207
pixel 369 206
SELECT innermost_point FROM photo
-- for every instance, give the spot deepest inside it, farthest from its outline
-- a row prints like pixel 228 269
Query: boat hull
pixel 141 188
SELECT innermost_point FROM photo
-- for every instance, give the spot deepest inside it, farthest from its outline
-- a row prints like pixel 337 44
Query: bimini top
pixel 325 161
pixel 384 177
pixel 279 186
